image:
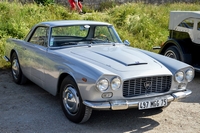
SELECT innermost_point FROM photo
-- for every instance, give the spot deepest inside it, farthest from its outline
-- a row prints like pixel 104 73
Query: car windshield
pixel 83 35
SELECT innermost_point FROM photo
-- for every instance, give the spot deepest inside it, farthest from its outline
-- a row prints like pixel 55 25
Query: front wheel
pixel 17 74
pixel 172 52
pixel 72 103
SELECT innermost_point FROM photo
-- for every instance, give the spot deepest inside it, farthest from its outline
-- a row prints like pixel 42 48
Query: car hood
pixel 120 58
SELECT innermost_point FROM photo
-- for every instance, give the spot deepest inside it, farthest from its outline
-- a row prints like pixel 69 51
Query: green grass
pixel 144 25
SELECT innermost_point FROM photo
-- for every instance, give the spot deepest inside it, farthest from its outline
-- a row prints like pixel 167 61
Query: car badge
pixel 147 85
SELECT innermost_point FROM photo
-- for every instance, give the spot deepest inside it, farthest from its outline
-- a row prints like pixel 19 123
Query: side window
pixel 102 32
pixel 187 23
pixel 40 36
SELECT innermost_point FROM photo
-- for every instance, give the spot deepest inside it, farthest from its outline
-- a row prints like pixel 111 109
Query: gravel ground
pixel 30 109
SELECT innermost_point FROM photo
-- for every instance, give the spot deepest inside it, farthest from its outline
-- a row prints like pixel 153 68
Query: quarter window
pixel 40 36
pixel 198 26
pixel 104 32
pixel 187 23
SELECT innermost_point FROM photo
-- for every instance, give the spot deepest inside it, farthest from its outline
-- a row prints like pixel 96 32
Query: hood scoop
pixel 136 63
pixel 125 63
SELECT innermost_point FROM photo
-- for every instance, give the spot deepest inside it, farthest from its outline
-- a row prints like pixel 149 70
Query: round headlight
pixel 189 75
pixel 102 85
pixel 115 83
pixel 179 76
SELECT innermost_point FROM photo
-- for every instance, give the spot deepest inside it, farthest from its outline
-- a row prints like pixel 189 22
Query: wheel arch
pixel 20 78
pixel 185 53
pixel 60 80
pixel 170 43
pixel 71 100
pixel 15 51
pixel 11 53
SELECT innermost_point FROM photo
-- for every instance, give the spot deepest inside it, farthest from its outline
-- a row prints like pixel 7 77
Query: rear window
pixel 187 23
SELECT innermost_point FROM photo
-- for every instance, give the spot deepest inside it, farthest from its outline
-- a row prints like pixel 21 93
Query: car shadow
pixel 133 120
pixel 194 87
pixel 47 107
pixel 31 103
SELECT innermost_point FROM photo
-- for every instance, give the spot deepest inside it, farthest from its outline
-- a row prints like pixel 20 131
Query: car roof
pixel 71 22
pixel 176 17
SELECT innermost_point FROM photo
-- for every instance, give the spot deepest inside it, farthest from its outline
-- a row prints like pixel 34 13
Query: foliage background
pixel 144 25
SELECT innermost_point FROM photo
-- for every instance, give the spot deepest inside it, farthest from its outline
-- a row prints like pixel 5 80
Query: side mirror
pixel 127 43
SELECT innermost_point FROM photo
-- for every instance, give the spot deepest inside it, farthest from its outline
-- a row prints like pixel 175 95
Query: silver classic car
pixel 90 68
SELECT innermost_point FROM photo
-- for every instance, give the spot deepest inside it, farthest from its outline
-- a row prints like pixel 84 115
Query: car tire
pixel 72 103
pixel 17 74
pixel 172 52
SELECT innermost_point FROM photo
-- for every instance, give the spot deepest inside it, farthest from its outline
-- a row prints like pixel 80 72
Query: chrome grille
pixel 136 87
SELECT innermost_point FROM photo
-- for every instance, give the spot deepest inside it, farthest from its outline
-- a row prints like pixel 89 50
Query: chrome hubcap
pixel 15 68
pixel 71 100
pixel 171 54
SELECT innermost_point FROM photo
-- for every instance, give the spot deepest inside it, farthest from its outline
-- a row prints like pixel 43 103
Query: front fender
pixel 167 62
pixel 168 43
pixel 182 47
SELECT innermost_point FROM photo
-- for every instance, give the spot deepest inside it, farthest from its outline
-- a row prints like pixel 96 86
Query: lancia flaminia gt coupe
pixel 90 68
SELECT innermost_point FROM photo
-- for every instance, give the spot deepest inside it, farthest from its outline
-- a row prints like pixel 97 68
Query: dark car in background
pixel 184 38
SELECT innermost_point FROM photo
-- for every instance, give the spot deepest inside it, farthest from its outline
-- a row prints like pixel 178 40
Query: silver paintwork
pixel 45 66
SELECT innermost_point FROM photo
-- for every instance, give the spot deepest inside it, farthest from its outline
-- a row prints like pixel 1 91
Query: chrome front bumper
pixel 125 104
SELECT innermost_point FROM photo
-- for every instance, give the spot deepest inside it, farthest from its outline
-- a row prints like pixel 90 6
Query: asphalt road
pixel 29 109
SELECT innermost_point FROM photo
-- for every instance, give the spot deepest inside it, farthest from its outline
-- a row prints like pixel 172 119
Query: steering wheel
pixel 102 37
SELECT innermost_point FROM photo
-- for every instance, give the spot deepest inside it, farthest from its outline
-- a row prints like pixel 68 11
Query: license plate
pixel 152 104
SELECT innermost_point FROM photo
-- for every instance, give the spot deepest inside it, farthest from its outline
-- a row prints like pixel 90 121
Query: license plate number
pixel 152 104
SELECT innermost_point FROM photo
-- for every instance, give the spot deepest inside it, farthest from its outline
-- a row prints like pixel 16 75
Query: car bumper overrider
pixel 125 104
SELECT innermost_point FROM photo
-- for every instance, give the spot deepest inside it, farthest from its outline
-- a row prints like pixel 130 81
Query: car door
pixel 37 53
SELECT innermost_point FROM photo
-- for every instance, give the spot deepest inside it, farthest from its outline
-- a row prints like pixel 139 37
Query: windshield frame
pixel 87 39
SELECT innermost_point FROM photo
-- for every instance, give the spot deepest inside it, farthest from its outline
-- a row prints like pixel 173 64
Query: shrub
pixel 144 25
pixel 44 2
pixel 106 5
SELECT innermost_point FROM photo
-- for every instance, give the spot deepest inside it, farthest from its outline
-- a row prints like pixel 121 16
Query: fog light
pixel 182 86
pixel 107 95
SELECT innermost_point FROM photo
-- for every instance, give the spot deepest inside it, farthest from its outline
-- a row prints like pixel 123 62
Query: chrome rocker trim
pixel 125 104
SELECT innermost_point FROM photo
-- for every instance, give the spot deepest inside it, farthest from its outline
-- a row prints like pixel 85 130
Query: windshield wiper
pixel 68 43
